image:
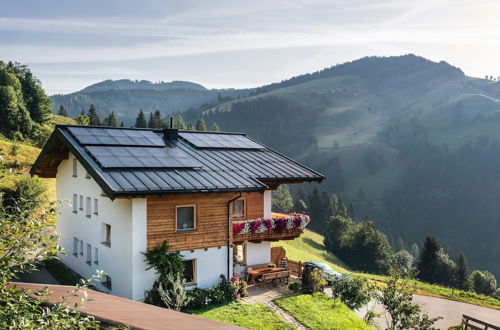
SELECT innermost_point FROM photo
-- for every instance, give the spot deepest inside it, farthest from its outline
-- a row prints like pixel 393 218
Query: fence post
pixel 300 269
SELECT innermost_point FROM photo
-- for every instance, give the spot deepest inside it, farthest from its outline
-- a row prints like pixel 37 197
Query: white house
pixel 126 190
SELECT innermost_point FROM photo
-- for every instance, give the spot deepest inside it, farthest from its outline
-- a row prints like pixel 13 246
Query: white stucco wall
pixel 116 260
pixel 258 253
pixel 268 203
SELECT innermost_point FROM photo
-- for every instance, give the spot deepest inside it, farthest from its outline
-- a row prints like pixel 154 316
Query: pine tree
pixel 141 122
pixel 150 121
pixel 190 127
pixel 462 273
pixel 82 119
pixel 215 128
pixel 282 200
pixel 179 122
pixel 341 209
pixel 428 262
pixel 93 116
pixel 200 125
pixel 110 120
pixel 122 124
pixel 351 213
pixel 62 111
pixel 299 202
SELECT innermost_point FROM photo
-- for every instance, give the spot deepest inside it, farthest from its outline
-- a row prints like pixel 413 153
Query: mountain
pixel 414 144
pixel 125 97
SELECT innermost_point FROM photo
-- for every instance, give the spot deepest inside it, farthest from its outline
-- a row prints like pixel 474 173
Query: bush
pixel 353 291
pixel 294 286
pixel 241 285
pixel 222 293
pixel 403 259
pixel 483 282
pixel 312 280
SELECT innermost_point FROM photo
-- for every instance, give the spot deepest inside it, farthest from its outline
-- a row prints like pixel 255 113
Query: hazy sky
pixel 71 44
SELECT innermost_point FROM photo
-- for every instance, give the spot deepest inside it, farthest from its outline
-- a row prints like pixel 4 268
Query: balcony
pixel 282 227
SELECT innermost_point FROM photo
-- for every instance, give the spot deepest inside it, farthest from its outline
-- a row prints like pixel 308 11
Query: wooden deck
pixel 119 311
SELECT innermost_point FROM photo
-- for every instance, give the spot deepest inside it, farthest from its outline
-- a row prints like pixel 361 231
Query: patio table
pixel 256 273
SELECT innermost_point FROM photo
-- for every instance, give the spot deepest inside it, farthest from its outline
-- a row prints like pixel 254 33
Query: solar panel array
pixel 110 136
pixel 220 141
pixel 142 157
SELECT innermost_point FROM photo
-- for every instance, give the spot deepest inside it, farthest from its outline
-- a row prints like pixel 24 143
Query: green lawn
pixel 317 312
pixel 309 246
pixel 251 316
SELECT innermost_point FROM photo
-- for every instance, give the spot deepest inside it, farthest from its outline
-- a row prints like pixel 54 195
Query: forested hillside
pixel 126 97
pixel 412 143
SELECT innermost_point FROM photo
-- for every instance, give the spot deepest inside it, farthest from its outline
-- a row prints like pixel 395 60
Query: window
pixel 106 281
pixel 190 271
pixel 87 175
pixel 75 203
pixel 96 206
pixel 75 167
pixel 88 206
pixel 89 254
pixel 185 218
pixel 81 248
pixel 81 203
pixel 96 256
pixel 239 209
pixel 75 246
pixel 106 234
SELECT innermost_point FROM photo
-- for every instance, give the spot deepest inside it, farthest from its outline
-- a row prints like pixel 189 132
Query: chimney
pixel 171 134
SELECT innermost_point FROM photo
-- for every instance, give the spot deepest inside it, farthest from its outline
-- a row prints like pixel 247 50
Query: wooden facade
pixel 211 219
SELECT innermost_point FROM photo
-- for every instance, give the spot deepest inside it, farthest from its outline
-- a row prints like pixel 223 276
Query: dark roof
pixel 126 161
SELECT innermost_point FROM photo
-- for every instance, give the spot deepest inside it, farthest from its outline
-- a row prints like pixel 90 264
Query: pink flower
pixel 255 225
pixel 238 227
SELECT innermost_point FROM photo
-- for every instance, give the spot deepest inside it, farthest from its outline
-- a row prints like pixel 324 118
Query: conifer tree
pixel 282 200
pixel 462 273
pixel 93 116
pixel 190 127
pixel 62 111
pixel 341 209
pixel 351 213
pixel 82 119
pixel 141 122
pixel 215 128
pixel 179 122
pixel 428 262
pixel 110 120
pixel 150 121
pixel 200 125
pixel 122 124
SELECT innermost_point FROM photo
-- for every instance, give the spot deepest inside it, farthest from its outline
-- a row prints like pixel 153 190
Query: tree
pixel 215 128
pixel 179 122
pixel 351 213
pixel 336 228
pixel 282 200
pixel 94 119
pixel 110 120
pixel 299 202
pixel 175 296
pixel 200 125
pixel 340 208
pixel 26 241
pixel 141 122
pixel 404 260
pixel 62 111
pixel 483 282
pixel 83 119
pixel 428 261
pixel 353 291
pixel 397 299
pixel 155 120
pixel 461 273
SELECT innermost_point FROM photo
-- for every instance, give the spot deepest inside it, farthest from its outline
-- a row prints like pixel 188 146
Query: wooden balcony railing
pixel 270 229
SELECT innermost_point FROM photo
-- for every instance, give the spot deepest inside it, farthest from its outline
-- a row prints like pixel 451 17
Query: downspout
pixel 229 228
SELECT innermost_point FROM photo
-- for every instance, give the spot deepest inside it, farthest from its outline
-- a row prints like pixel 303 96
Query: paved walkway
pixel 40 276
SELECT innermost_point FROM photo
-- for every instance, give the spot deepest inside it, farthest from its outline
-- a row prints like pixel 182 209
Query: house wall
pixel 211 219
pixel 258 253
pixel 268 203
pixel 115 260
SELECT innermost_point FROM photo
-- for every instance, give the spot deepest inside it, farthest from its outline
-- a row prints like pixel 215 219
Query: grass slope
pixel 318 311
pixel 309 246
pixel 254 316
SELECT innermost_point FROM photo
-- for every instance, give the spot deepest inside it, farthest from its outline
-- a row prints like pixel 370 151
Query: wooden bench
pixel 268 278
pixel 283 276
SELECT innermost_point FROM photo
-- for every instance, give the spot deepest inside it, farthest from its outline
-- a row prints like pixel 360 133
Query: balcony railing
pixel 270 229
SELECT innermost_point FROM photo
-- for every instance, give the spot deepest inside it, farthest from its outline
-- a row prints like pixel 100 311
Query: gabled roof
pixel 128 162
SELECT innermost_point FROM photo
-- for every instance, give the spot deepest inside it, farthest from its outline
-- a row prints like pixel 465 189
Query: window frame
pixel 108 282
pixel 106 235
pixel 81 203
pixel 195 279
pixel 185 230
pixel 88 260
pixel 96 206
pixel 244 210
pixel 96 255
pixel 81 248
pixel 75 167
pixel 75 246
pixel 75 203
pixel 88 207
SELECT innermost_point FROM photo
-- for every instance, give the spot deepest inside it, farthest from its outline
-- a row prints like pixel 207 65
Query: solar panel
pixel 137 157
pixel 220 141
pixel 110 136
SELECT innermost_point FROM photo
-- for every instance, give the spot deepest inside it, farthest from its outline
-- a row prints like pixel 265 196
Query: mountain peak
pixel 123 84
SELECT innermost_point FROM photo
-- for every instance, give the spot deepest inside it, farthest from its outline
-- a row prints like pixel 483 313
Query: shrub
pixel 294 286
pixel 220 294
pixel 403 259
pixel 174 296
pixel 353 291
pixel 483 282
pixel 312 280
pixel 241 285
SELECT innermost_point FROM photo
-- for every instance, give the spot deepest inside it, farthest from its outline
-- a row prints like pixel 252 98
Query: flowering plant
pixel 241 285
pixel 256 226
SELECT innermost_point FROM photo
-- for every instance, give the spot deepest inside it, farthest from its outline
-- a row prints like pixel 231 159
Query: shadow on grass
pixel 313 244
pixel 205 309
